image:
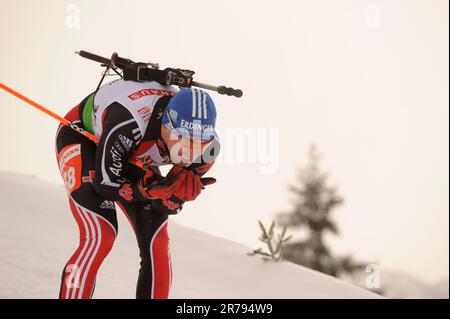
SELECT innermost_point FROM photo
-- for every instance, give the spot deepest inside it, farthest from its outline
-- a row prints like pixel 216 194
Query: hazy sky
pixel 367 81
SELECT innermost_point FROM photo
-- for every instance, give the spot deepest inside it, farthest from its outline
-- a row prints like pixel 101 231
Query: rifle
pixel 147 71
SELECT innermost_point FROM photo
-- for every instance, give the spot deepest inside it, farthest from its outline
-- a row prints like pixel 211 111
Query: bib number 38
pixel 69 161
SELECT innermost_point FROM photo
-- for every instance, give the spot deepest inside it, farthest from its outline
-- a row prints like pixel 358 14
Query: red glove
pixel 192 185
pixel 152 185
pixel 190 188
pixel 173 204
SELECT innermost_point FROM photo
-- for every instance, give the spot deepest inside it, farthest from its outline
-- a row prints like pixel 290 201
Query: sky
pixel 364 80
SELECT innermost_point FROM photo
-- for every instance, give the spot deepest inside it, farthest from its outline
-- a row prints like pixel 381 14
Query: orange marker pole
pixel 59 118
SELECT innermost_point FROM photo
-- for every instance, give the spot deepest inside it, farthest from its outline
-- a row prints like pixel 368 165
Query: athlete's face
pixel 183 150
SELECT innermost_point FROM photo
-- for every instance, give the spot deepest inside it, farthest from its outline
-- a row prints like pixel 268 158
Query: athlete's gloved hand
pixel 173 204
pixel 208 180
pixel 193 183
pixel 200 170
pixel 152 185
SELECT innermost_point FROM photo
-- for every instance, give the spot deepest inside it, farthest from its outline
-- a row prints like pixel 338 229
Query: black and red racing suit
pixel 99 176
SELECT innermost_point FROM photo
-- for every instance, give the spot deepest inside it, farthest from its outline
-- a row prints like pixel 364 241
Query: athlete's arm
pixel 119 140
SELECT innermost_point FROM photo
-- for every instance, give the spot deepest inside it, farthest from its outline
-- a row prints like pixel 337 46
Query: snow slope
pixel 38 234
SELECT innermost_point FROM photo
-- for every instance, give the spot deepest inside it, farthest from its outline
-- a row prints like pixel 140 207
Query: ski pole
pixel 61 119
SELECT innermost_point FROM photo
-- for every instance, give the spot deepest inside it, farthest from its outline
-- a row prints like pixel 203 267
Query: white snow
pixel 38 234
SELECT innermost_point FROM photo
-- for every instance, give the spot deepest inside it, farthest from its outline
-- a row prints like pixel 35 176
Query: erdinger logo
pixel 126 192
pixel 196 126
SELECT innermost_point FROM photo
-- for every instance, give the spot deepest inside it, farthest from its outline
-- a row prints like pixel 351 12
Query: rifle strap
pixel 140 72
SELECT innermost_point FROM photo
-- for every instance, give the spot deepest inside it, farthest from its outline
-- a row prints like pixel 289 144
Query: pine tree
pixel 311 213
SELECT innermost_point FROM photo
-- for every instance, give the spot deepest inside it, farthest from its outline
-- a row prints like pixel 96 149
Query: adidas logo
pixel 126 142
pixel 107 204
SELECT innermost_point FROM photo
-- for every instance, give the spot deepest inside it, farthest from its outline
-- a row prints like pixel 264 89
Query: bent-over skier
pixel 154 124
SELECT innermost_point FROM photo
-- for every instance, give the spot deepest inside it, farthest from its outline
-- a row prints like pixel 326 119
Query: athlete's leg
pixel 96 217
pixel 150 226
